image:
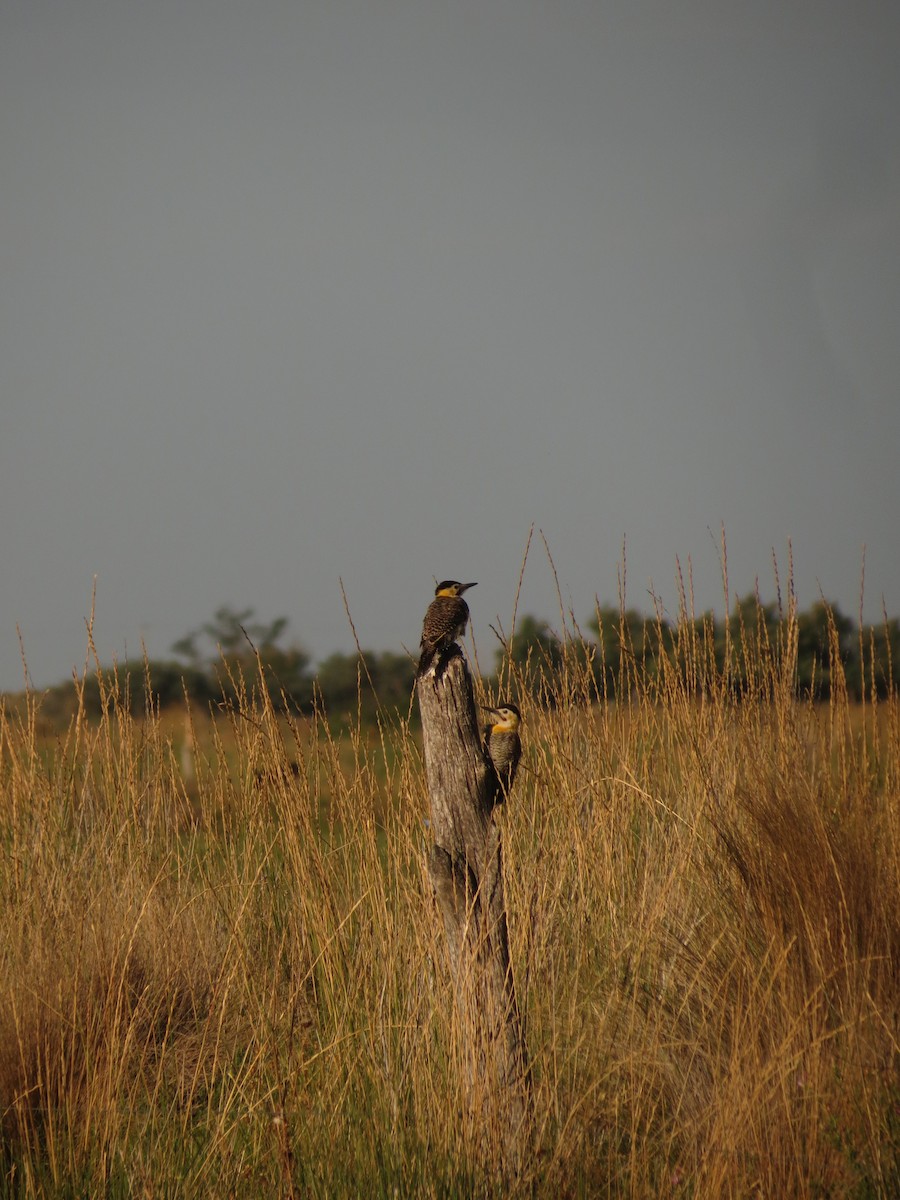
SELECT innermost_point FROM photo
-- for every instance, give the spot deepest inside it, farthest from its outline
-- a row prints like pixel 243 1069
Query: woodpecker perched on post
pixel 445 621
pixel 503 746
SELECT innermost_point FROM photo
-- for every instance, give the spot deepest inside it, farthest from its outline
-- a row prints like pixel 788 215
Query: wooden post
pixel 466 869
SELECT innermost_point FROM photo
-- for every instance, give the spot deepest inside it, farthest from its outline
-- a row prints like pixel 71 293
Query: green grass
pixel 235 984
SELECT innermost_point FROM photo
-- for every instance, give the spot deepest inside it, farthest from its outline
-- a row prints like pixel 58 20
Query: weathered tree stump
pixel 466 869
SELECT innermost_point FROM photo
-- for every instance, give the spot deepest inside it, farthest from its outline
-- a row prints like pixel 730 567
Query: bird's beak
pixel 465 587
pixel 487 708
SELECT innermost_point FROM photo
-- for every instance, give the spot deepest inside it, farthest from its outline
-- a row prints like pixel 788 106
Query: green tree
pixel 754 641
pixel 533 657
pixel 824 639
pixel 228 633
pixel 233 646
pixel 629 647
pixel 369 680
pixel 338 681
pixel 393 676
pixel 881 655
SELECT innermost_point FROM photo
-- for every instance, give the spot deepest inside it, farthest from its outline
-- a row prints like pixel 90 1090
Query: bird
pixel 503 745
pixel 445 621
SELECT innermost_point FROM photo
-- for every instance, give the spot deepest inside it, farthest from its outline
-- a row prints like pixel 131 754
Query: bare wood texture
pixel 466 869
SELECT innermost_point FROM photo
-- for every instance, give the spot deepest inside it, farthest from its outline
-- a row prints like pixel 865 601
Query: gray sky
pixel 294 292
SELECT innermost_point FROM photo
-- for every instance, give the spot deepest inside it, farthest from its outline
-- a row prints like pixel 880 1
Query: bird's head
pixel 506 718
pixel 450 587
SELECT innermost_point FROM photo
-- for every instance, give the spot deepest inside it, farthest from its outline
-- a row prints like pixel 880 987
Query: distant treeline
pixel 230 659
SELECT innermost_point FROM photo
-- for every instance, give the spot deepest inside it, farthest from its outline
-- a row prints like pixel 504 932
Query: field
pixel 222 973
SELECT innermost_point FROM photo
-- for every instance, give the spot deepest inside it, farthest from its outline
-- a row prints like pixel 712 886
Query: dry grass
pixel 236 985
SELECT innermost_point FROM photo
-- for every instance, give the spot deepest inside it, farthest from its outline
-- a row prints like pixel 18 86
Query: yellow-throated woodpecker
pixel 503 745
pixel 445 621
